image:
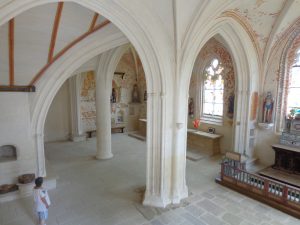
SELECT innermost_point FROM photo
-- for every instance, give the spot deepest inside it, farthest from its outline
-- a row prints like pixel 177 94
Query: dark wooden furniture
pixel 287 158
pixel 119 129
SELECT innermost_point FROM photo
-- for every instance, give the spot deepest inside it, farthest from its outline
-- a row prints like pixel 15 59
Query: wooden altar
pixel 287 158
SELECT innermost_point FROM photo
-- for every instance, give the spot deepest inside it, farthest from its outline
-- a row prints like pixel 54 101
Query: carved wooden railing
pixel 265 189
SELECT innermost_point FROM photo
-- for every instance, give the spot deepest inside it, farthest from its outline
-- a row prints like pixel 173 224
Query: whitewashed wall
pixel 58 125
pixel 15 130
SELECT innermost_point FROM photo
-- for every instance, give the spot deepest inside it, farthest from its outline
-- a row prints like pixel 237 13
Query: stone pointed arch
pixel 153 46
pixel 291 45
pixel 57 74
pixel 246 65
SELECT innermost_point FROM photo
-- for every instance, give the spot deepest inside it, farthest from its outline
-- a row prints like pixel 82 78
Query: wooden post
pixel 266 187
pixel 285 194
pixel 222 171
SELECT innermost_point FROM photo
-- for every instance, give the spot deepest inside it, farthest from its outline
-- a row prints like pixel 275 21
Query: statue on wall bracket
pixel 135 94
pixel 268 108
pixel 191 108
pixel 113 98
pixel 230 110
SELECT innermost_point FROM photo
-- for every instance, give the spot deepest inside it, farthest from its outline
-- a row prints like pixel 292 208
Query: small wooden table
pixel 204 142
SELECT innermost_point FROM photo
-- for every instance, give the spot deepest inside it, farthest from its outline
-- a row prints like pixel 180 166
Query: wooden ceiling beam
pixel 11 46
pixel 94 20
pixel 65 49
pixel 55 30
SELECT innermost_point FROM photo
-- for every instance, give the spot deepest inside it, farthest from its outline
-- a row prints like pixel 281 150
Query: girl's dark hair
pixel 39 181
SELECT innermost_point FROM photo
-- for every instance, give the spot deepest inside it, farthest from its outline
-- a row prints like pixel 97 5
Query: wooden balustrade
pixel 263 189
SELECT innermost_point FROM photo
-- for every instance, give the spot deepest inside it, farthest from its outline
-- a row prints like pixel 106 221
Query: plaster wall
pixel 15 130
pixel 57 126
pixel 267 137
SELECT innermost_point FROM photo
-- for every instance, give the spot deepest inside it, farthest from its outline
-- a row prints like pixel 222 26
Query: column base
pixel 156 201
pixel 178 197
pixel 78 138
pixel 104 156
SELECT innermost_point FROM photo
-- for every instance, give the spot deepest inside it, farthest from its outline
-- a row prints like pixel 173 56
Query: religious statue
pixel 113 97
pixel 191 107
pixel 230 110
pixel 145 96
pixel 135 94
pixel 268 108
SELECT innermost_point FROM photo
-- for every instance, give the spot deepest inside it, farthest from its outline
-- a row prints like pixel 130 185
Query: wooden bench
pixel 90 133
pixel 119 129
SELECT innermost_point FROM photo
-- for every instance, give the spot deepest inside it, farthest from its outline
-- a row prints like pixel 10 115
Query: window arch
pixel 288 83
pixel 213 71
pixel 293 101
pixel 213 91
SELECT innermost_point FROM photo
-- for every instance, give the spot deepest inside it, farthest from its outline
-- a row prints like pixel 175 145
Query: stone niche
pixel 8 153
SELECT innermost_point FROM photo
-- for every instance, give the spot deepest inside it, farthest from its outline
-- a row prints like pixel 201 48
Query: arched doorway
pixel 245 62
pixel 157 192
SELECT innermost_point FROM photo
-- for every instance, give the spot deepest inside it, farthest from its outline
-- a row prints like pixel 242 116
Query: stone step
pixel 137 135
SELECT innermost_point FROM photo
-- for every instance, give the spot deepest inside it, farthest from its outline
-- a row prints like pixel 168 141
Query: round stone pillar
pixel 103 120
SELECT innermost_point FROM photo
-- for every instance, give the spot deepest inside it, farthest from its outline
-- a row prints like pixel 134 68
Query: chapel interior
pixel 141 112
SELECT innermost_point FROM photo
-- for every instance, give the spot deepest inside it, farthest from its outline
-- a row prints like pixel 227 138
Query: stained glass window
pixel 213 89
pixel 293 100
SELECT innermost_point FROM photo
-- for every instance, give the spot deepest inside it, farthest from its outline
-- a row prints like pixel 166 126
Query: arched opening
pixel 212 88
pixel 235 40
pixel 288 85
pixel 120 180
pixel 157 192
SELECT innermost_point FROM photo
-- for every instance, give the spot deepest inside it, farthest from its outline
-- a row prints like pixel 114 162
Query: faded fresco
pixel 130 88
pixel 128 82
pixel 261 16
pixel 87 101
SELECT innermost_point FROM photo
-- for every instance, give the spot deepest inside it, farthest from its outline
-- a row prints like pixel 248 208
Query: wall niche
pixel 8 153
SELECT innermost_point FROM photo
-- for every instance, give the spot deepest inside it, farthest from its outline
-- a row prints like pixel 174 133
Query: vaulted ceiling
pixel 34 39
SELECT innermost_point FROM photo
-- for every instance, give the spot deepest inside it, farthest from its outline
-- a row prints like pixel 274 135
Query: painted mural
pixel 130 103
pixel 87 101
pixel 261 16
pixel 126 107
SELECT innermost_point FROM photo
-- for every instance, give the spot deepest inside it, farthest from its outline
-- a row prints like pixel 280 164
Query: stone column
pixel 108 62
pixel 103 116
pixel 40 154
pixel 76 124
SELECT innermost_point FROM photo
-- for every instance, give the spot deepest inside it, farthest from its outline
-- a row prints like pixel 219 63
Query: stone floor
pixel 91 192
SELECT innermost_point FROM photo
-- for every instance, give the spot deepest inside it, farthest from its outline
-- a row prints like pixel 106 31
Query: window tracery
pixel 213 90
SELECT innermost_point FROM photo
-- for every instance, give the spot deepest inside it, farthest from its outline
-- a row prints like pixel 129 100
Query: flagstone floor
pixel 92 192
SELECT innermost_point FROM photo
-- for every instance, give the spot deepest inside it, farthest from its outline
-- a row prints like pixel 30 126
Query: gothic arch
pixel 246 66
pixel 158 73
pixel 292 44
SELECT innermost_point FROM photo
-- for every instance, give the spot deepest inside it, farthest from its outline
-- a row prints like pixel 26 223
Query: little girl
pixel 41 202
